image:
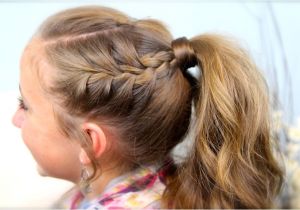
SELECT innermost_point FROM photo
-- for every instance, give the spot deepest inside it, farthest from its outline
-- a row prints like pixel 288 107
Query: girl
pixel 106 98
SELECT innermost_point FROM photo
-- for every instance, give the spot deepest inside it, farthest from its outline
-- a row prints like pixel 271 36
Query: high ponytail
pixel 230 164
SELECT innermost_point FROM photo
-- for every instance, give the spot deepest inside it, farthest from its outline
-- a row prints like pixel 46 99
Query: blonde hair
pixel 131 74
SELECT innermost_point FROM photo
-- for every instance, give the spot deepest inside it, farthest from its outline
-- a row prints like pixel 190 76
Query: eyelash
pixel 22 105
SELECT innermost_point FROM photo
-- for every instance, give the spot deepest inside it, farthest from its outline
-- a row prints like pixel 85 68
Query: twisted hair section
pixel 130 75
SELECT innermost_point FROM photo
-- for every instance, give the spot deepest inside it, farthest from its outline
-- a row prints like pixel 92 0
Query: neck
pixel 98 185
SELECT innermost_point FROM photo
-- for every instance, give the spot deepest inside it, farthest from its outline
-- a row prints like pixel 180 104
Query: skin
pixel 39 127
pixel 56 155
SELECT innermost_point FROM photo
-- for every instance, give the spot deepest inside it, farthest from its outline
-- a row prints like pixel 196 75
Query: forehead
pixel 32 56
pixel 35 73
pixel 33 64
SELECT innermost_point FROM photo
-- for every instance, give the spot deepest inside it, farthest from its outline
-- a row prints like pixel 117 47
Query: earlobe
pixel 98 140
pixel 83 157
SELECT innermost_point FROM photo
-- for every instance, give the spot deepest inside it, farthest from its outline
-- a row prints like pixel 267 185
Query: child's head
pixel 119 73
pixel 106 90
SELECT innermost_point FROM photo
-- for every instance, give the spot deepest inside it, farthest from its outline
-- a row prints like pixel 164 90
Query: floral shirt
pixel 141 188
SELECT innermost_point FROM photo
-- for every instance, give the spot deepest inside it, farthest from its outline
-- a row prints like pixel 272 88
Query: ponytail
pixel 230 164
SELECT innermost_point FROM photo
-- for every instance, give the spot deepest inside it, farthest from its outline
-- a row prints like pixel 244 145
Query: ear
pixel 99 142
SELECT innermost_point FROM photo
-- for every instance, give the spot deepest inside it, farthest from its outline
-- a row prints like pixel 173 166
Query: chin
pixel 41 171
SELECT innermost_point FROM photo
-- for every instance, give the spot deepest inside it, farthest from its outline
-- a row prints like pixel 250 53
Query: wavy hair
pixel 132 75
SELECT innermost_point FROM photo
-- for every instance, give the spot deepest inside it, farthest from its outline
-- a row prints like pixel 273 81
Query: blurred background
pixel 269 30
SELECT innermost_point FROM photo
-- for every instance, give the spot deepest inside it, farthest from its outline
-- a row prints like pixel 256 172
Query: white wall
pixel 20 185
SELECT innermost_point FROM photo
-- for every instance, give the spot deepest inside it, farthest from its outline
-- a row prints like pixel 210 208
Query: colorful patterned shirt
pixel 141 188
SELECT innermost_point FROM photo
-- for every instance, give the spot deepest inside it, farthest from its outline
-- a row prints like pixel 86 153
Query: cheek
pixel 28 134
pixel 34 142
pixel 54 154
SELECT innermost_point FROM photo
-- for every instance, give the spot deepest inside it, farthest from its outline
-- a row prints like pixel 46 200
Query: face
pixel 55 154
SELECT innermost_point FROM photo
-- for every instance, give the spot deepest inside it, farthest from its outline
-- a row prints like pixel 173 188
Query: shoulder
pixel 148 197
pixel 140 200
pixel 141 190
pixel 66 200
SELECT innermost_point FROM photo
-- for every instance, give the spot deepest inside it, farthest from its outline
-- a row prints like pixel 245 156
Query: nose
pixel 18 118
